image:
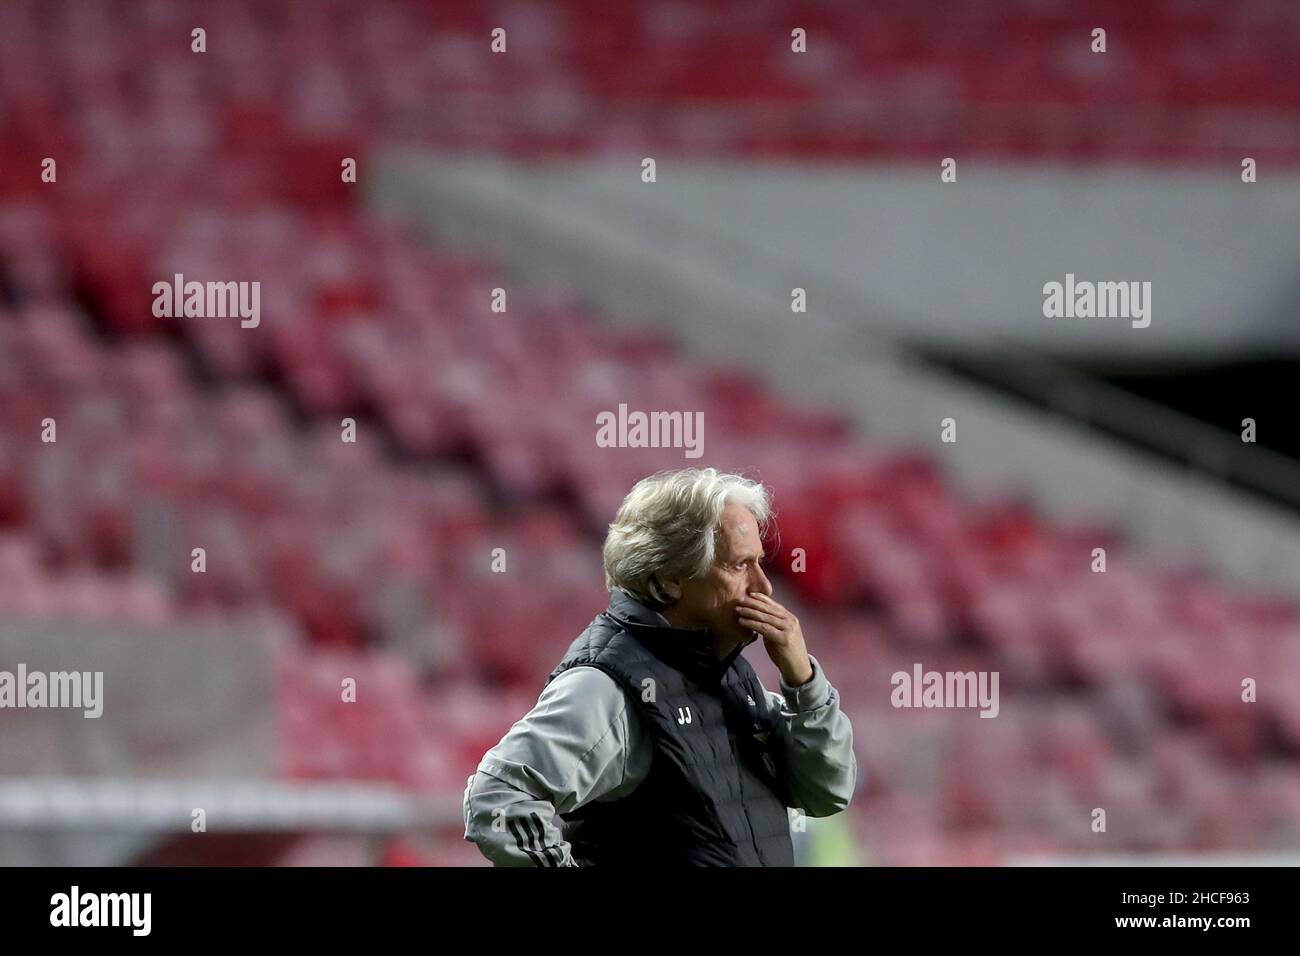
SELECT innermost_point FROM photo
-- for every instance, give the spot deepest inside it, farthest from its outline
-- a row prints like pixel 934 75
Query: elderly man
pixel 654 741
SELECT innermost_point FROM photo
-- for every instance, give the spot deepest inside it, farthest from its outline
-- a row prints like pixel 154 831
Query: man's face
pixel 711 600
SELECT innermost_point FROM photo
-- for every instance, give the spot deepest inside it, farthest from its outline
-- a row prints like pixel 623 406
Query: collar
pixel 689 650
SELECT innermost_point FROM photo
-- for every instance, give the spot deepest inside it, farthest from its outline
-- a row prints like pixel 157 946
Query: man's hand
pixel 781 634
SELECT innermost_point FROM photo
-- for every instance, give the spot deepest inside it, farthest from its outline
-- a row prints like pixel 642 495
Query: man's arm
pixel 570 749
pixel 511 827
pixel 817 740
pixel 821 768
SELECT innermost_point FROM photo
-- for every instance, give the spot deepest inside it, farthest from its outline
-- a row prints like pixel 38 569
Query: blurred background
pixel 328 560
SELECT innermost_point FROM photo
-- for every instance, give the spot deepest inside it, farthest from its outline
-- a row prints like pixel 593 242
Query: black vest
pixel 715 795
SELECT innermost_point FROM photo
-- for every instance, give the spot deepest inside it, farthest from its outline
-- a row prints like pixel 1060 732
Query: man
pixel 653 741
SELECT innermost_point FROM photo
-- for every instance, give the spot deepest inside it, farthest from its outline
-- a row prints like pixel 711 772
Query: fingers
pixel 766 625
pixel 761 602
pixel 757 614
pixel 766 617
pixel 763 629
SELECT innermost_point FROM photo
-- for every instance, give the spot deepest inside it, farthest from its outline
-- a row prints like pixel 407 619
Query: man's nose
pixel 759 582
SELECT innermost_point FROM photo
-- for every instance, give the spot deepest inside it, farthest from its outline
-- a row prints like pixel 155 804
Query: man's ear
pixel 671 588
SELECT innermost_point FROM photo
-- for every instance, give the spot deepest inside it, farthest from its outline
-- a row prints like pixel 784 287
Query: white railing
pixel 244 806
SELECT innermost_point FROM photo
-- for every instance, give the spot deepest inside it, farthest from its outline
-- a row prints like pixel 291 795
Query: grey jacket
pixel 582 742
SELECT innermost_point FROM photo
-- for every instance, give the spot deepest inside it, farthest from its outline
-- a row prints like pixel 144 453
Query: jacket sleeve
pixel 570 749
pixel 817 741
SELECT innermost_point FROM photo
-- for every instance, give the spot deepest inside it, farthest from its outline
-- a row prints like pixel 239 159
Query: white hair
pixel 667 524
